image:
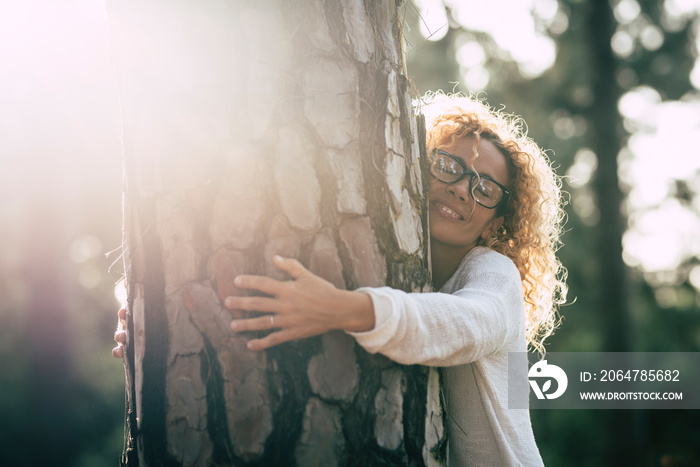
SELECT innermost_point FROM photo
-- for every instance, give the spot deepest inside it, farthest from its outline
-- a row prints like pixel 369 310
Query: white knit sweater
pixel 468 327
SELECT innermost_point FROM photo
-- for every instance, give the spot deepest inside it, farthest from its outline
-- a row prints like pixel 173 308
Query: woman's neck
pixel 445 260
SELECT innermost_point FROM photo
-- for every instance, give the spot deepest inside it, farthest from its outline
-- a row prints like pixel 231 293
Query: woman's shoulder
pixel 485 267
pixel 483 259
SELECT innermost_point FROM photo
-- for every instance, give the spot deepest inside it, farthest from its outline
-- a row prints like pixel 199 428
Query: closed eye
pixel 487 189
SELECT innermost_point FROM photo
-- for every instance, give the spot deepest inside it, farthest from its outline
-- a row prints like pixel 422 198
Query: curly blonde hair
pixel 533 216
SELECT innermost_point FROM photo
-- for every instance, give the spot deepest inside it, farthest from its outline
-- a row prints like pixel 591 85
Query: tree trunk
pixel 252 129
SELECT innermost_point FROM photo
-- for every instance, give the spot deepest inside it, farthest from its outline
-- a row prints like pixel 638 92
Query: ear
pixel 491 228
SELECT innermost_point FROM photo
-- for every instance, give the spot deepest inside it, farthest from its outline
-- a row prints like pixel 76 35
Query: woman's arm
pixel 303 307
pixel 483 313
pixel 436 329
pixel 432 329
pixel 439 329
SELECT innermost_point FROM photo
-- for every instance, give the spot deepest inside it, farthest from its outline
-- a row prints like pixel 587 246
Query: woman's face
pixel 456 220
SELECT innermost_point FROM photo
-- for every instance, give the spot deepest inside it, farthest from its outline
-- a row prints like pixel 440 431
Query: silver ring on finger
pixel 272 321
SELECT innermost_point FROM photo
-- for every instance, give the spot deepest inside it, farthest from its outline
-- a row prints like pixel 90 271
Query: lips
pixel 447 211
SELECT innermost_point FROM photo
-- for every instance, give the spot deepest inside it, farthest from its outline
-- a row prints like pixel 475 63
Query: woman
pixel 495 219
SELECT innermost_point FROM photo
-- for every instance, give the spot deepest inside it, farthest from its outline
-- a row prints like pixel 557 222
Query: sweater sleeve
pixel 482 315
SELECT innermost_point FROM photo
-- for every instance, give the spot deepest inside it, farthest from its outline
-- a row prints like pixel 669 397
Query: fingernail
pixel 234 326
pixel 250 345
pixel 278 258
pixel 228 302
pixel 238 280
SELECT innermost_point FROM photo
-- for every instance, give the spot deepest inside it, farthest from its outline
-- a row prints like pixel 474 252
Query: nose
pixel 460 190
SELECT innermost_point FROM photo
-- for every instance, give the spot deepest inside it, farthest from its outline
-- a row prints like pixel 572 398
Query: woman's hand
pixel 303 307
pixel 120 335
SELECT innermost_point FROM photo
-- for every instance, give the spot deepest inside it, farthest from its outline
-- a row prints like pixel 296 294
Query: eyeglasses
pixel 484 190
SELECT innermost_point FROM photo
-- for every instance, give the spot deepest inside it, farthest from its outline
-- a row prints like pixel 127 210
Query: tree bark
pixel 252 129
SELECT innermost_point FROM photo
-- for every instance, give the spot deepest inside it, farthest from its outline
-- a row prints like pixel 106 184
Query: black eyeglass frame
pixel 467 172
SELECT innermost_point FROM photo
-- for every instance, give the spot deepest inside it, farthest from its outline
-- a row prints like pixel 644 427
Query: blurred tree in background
pixel 618 106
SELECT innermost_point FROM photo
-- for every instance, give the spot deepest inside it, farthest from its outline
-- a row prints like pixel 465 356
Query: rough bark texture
pixel 252 129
